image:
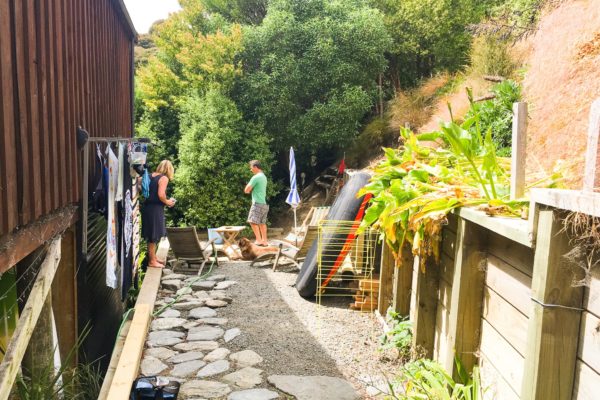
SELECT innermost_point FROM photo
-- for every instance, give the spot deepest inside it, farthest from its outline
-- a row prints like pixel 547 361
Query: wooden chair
pixel 305 236
pixel 187 247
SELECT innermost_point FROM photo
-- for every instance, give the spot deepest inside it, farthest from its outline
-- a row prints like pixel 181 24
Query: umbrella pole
pixel 295 227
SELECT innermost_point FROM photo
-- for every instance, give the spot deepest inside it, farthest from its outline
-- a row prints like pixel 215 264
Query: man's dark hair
pixel 255 163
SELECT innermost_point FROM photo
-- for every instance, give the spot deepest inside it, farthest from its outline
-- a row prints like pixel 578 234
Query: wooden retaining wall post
pixel 426 288
pixel 386 279
pixel 553 330
pixel 403 275
pixel 466 303
pixel 519 144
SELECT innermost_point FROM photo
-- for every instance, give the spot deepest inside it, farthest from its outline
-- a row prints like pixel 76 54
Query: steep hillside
pixel 561 81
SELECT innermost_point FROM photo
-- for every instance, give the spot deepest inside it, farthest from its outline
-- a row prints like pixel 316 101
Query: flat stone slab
pixel 161 324
pixel 164 342
pixel 197 346
pixel 216 278
pixel 225 285
pixel 191 324
pixel 202 295
pixel 204 285
pixel 314 387
pixel 187 368
pixel 204 389
pixel 214 368
pixel 214 303
pixel 205 333
pixel 220 295
pixel 165 272
pixel 169 277
pixel 202 312
pixel 245 358
pixel 170 313
pixel 165 334
pixel 213 321
pixel 152 366
pixel 188 305
pixel 231 334
pixel 218 354
pixel 171 284
pixel 160 352
pixel 245 378
pixel 184 290
pixel 253 394
pixel 185 357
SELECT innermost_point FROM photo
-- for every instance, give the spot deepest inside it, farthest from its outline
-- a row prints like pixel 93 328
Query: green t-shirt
pixel 259 188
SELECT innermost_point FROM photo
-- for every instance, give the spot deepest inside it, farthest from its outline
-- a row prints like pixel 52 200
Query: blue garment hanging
pixel 146 184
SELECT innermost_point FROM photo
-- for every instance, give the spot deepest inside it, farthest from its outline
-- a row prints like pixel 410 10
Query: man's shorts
pixel 258 214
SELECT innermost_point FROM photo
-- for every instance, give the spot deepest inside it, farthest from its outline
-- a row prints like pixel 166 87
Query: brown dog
pixel 250 251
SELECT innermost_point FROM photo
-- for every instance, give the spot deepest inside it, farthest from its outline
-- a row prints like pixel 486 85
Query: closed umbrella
pixel 293 199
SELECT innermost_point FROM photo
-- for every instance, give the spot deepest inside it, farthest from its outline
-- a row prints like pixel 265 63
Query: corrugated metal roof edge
pixel 120 4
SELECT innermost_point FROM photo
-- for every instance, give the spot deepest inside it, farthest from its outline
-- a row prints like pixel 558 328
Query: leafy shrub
pixel 496 115
pixel 399 337
pixel 214 151
pixel 426 379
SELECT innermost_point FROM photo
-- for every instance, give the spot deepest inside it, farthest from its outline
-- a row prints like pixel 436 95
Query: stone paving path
pixel 188 342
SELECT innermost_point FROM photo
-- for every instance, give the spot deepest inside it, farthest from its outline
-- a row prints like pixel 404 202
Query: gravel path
pixel 297 336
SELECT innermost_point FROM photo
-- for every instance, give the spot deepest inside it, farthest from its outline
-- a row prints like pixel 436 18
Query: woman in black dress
pixel 153 215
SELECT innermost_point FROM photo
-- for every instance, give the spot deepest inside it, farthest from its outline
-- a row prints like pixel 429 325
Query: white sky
pixel 144 12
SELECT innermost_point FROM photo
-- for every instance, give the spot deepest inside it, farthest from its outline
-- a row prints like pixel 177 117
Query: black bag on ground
pixel 153 388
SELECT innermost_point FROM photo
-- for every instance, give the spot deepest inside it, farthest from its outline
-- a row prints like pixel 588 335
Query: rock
pixel 160 352
pixel 164 338
pixel 204 333
pixel 170 313
pixel 213 321
pixel 246 358
pixel 152 366
pixel 202 295
pixel 170 277
pixel 221 295
pixel 187 368
pixel 167 300
pixel 314 387
pixel 197 346
pixel 185 357
pixel 174 284
pixel 192 324
pixel 225 285
pixel 216 278
pixel 166 272
pixel 184 290
pixel 214 368
pixel 161 324
pixel 231 334
pixel 202 312
pixel 205 389
pixel 245 378
pixel 254 394
pixel 216 303
pixel 188 305
pixel 203 285
pixel 218 354
pixel 184 298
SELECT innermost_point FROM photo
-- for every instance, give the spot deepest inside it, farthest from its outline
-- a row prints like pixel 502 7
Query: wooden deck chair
pixel 309 226
pixel 187 247
pixel 290 252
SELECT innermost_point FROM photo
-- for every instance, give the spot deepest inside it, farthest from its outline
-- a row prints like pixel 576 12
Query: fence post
pixel 403 275
pixel 386 279
pixel 519 144
pixel 591 176
pixel 426 289
pixel 553 330
pixel 466 303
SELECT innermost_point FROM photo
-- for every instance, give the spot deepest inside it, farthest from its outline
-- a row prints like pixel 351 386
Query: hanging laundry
pixel 98 200
pixel 111 232
pixel 126 233
pixel 119 195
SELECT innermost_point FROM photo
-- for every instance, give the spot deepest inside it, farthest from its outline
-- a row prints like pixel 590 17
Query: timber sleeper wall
pixel 499 301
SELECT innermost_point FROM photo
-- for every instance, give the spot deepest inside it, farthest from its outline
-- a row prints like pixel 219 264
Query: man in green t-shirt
pixel 259 210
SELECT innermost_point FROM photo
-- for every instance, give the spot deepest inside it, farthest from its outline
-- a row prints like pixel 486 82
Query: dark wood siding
pixel 63 64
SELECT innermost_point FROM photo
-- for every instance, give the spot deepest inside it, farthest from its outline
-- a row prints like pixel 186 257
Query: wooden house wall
pixel 63 64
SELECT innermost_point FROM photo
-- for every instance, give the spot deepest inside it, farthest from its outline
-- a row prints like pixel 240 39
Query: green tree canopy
pixel 309 71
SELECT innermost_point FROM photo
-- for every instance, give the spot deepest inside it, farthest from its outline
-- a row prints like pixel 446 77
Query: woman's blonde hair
pixel 166 168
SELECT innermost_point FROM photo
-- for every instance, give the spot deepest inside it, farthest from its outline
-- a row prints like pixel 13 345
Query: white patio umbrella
pixel 293 199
